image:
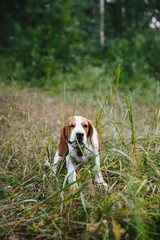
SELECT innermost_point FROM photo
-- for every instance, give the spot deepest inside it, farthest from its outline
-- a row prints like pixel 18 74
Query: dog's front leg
pixel 56 161
pixel 98 177
pixel 71 172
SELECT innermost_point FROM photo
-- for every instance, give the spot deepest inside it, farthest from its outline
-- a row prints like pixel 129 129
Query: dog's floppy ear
pixel 90 133
pixel 63 147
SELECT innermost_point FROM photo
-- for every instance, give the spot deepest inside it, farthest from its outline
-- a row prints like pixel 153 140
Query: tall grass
pixel 37 205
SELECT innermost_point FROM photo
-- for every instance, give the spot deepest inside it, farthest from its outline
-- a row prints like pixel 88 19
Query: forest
pixel 94 58
pixel 41 39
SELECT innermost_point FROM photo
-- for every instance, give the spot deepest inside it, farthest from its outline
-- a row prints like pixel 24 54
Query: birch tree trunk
pixel 102 38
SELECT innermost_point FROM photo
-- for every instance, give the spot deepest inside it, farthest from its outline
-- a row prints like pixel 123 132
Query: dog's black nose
pixel 79 135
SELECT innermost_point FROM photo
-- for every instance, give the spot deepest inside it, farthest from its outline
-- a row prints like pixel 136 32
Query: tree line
pixel 40 38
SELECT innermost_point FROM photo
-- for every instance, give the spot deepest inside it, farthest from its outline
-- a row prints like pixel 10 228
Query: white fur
pixel 72 159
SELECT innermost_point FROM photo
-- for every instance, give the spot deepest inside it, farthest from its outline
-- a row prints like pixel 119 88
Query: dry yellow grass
pixel 31 200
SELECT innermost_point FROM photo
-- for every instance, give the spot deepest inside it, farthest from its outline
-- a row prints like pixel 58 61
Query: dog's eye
pixel 85 126
pixel 71 126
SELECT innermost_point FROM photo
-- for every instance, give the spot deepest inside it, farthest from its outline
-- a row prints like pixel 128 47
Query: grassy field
pixel 34 205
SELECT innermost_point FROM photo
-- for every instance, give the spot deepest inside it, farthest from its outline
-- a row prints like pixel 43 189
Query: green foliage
pixel 135 55
pixel 42 40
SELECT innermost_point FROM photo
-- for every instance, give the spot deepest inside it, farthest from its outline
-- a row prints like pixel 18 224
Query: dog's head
pixel 76 131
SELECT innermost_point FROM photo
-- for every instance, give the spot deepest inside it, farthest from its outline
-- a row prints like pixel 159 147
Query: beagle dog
pixel 79 143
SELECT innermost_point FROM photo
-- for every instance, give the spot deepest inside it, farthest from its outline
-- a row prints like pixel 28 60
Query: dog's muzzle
pixel 79 136
pixel 78 144
pixel 79 140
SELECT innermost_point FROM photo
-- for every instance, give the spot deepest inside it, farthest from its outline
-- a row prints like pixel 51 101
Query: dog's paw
pixel 74 187
pixel 105 185
pixel 47 165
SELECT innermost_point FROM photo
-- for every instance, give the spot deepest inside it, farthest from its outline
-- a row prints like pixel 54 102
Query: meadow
pixel 35 205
